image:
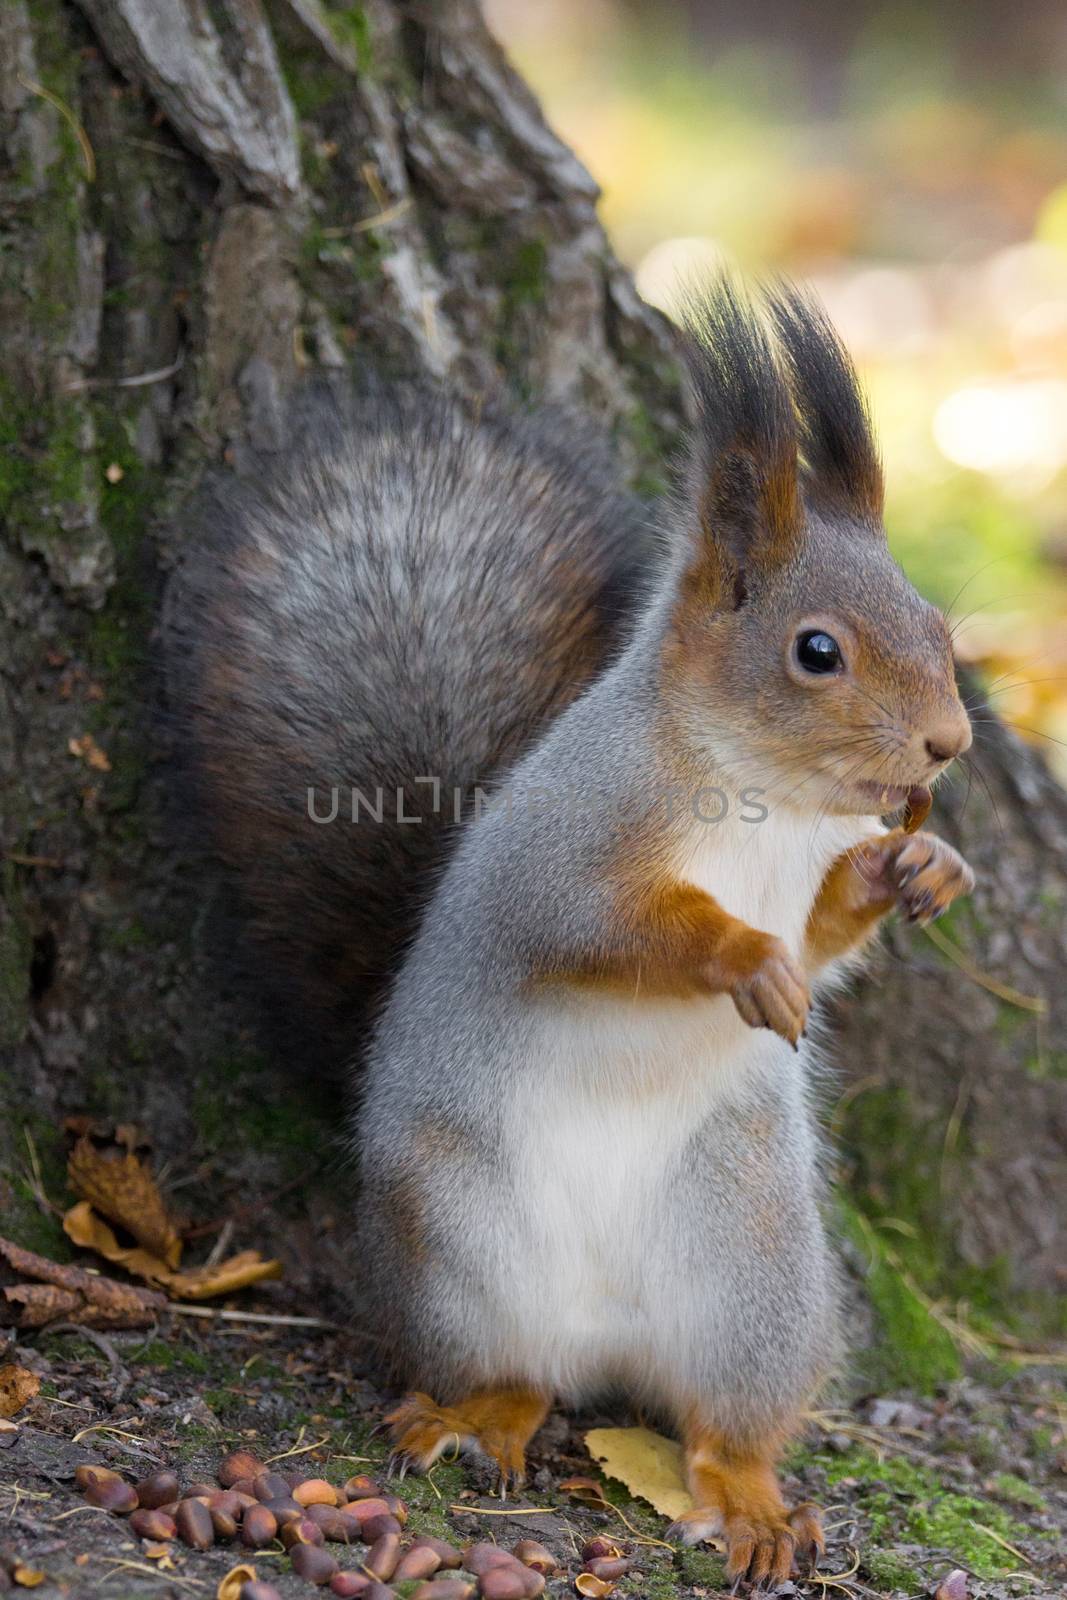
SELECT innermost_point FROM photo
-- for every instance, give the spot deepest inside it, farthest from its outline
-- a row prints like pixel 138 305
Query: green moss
pixel 889 1571
pixel 700 1568
pixel 167 1356
pixel 914 1351
pixel 1006 1486
pixel 906 1503
pixel 350 27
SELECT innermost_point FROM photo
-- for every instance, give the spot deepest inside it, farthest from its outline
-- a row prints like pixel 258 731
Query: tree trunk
pixel 202 203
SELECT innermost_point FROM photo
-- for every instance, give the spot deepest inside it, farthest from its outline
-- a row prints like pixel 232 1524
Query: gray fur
pixel 412 590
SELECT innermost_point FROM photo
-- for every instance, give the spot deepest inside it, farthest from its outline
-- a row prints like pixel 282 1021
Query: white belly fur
pixel 620 1089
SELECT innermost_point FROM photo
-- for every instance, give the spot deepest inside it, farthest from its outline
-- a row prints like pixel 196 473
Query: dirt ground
pixel 972 1481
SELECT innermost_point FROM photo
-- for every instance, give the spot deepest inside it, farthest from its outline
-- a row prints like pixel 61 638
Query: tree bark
pixel 200 205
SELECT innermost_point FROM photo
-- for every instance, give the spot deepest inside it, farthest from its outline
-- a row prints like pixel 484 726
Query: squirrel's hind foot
pixel 759 1549
pixel 738 1501
pixel 493 1425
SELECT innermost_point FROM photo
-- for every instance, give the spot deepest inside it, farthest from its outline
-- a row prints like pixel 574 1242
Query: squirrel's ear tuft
pixel 744 460
pixel 841 461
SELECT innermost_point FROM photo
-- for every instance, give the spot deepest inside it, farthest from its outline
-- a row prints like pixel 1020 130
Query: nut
pixel 534 1555
pixel 383 1556
pixel 608 1567
pixel 153 1524
pixel 89 1472
pixel 507 1583
pixel 377 1527
pixel 194 1525
pixel 349 1584
pixel 302 1531
pixel 315 1492
pixel 158 1490
pixel 112 1494
pixel 223 1522
pixel 310 1561
pixel 446 1553
pixel 593 1549
pixel 363 1510
pixel 283 1511
pixel 336 1526
pixel 360 1487
pixel 420 1562
pixel 239 1464
pixel 258 1527
pixel 270 1486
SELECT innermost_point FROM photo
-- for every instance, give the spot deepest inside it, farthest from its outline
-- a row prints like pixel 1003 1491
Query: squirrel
pixel 588 1155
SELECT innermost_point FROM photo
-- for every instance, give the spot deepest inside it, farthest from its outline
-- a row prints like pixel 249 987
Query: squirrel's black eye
pixel 818 651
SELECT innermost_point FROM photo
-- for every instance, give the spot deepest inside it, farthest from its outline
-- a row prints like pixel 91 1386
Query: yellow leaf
pixel 648 1464
pixel 85 1228
pixel 27 1577
pixel 241 1270
pixel 18 1385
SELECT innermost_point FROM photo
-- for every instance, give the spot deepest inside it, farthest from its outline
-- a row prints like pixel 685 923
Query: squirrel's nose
pixel 949 738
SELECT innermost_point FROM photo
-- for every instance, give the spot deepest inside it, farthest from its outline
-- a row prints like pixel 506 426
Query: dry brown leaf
pixel 648 1464
pixel 231 1585
pixel 86 749
pixel 18 1385
pixel 85 1228
pixel 71 1294
pixel 241 1270
pixel 119 1185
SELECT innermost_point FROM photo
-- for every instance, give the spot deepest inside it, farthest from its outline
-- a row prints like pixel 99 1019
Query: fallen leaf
pixel 120 1186
pixel 82 1225
pixel 18 1385
pixel 86 749
pixel 72 1295
pixel 27 1577
pixel 241 1270
pixel 954 1587
pixel 648 1464
pixel 231 1585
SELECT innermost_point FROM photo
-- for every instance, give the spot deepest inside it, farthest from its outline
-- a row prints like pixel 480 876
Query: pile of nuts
pixel 258 1508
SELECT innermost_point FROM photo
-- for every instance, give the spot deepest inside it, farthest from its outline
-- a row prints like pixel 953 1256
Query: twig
pixel 297 1449
pixel 1003 991
pixel 137 381
pixel 69 118
pixel 273 1317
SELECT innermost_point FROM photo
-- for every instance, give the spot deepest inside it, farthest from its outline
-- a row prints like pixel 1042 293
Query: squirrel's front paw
pixel 920 872
pixel 768 985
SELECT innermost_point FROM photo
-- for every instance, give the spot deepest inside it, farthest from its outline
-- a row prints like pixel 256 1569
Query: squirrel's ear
pixel 743 466
pixel 841 462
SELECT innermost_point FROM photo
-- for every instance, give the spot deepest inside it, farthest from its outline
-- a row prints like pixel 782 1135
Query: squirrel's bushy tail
pixel 409 593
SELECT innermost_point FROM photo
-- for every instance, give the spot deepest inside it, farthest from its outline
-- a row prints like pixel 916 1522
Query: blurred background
pixel 911 161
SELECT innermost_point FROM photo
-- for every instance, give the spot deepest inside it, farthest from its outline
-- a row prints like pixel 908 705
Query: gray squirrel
pixel 588 1157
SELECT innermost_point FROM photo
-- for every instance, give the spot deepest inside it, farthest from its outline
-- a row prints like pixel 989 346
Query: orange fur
pixel 736 1488
pixel 847 910
pixel 672 940
pixel 499 1422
